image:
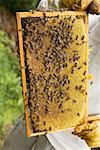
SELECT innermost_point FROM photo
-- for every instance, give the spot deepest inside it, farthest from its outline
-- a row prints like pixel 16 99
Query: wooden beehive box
pixel 62 111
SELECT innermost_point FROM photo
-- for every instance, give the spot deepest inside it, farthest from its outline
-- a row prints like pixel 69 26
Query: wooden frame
pixel 22 62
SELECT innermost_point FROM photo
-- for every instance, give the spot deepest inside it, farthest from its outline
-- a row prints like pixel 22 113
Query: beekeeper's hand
pixel 92 6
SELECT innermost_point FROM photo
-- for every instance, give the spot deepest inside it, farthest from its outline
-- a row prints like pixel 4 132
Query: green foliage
pixel 20 5
pixel 11 100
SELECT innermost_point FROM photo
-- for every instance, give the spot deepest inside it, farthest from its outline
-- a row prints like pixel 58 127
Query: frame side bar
pixel 23 75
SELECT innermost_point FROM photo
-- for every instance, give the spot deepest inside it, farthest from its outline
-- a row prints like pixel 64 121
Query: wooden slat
pixel 52 13
pixel 23 75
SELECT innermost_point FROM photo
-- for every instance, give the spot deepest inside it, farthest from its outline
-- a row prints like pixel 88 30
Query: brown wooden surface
pixel 23 75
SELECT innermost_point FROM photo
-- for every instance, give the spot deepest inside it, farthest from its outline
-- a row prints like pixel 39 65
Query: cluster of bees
pixel 48 47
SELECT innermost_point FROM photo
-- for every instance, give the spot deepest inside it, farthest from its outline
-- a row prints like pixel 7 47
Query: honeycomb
pixel 56 60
